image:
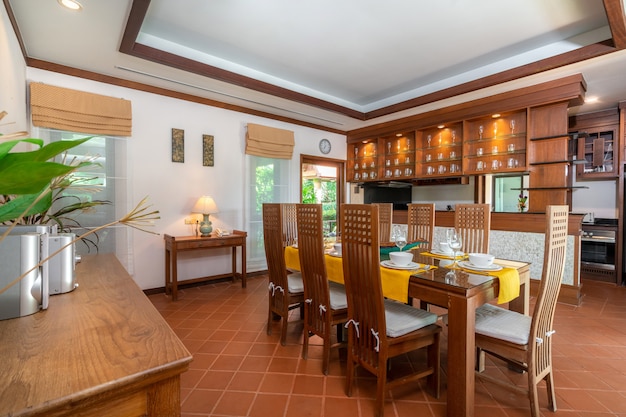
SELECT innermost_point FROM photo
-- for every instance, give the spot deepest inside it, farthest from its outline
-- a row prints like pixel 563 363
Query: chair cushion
pixel 338 299
pixel 502 324
pixel 402 319
pixel 295 283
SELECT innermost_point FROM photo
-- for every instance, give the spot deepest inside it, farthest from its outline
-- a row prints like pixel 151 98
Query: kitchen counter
pixel 102 349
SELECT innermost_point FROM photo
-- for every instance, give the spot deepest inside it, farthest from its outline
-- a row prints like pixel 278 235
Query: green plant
pixel 30 183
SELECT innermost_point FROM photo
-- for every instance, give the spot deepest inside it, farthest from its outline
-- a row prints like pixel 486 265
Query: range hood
pixel 388 184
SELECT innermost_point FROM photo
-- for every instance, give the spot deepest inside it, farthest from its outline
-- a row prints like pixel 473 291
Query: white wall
pixel 12 79
pixel 173 188
pixel 600 198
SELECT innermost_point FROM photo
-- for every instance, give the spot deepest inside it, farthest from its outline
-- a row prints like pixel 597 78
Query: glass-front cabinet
pixel 440 151
pixel 490 144
pixel 398 156
pixel 495 144
pixel 363 161
pixel 598 150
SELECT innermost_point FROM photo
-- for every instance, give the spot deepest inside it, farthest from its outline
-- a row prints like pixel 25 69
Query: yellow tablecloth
pixel 508 277
pixel 395 283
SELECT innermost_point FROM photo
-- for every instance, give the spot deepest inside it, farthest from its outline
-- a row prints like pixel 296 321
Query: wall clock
pixel 325 146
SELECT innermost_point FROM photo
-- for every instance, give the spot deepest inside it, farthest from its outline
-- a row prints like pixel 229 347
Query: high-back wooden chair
pixel 385 220
pixel 521 340
pixel 286 291
pixel 325 304
pixel 421 224
pixel 290 228
pixel 473 221
pixel 380 329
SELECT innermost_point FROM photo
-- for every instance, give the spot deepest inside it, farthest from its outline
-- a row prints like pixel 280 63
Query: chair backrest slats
pixel 312 264
pixel 385 220
pixel 273 241
pixel 421 224
pixel 553 269
pixel 473 221
pixel 361 267
pixel 290 228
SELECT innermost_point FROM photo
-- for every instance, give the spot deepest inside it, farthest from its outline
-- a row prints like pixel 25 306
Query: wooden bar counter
pixel 102 349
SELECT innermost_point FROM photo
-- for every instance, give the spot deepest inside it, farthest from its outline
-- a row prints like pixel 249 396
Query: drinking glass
pixel 455 242
pixel 401 240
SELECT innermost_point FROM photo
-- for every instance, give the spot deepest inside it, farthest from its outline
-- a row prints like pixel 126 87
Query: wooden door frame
pixel 340 164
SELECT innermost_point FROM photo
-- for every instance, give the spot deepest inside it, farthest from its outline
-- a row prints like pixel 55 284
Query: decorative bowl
pixel 482 260
pixel 401 258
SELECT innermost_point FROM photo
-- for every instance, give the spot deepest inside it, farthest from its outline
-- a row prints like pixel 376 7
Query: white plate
pixel 438 252
pixel 469 265
pixel 334 253
pixel 409 266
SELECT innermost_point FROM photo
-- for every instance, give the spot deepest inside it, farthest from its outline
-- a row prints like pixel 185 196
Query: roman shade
pixel 79 111
pixel 269 142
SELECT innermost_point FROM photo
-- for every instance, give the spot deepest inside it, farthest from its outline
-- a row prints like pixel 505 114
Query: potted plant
pixel 30 183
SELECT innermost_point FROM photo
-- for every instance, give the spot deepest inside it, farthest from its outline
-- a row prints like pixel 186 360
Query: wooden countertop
pixel 99 347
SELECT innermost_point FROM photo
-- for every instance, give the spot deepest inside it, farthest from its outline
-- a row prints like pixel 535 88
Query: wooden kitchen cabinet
pixel 598 150
pixel 363 161
pixel 440 151
pixel 398 156
pixel 495 144
pixel 597 144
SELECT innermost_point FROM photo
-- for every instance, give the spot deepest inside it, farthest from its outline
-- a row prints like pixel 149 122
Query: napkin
pixel 509 282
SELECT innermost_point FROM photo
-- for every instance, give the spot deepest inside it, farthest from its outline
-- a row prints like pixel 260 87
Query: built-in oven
pixel 598 250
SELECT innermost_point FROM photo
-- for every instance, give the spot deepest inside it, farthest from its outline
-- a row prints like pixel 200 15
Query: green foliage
pixel 308 192
pixel 30 183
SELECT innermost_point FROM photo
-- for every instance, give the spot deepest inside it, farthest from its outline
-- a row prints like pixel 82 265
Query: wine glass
pixel 401 240
pixel 481 129
pixel 512 126
pixel 455 241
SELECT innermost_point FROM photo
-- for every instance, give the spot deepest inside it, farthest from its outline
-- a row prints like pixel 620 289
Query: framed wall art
pixel 178 145
pixel 207 150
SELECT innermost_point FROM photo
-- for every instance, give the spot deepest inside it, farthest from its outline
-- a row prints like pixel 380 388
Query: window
pixel 506 191
pixel 106 181
pixel 266 182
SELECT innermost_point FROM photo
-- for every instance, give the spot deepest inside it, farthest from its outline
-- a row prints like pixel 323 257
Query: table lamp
pixel 205 206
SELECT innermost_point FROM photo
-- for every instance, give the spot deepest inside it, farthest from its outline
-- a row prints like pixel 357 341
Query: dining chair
pixel 325 303
pixel 286 290
pixel 522 341
pixel 474 222
pixel 421 224
pixel 380 329
pixel 385 220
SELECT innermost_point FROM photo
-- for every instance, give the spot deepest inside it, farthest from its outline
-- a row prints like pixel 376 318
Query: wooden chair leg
pixel 550 388
pixel 380 392
pixel 533 396
pixel 434 362
pixel 326 354
pixel 349 374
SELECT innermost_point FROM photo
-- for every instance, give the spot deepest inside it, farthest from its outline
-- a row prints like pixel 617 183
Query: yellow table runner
pixel 395 283
pixel 508 277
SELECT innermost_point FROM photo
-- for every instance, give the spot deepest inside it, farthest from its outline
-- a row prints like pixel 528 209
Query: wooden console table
pixel 102 349
pixel 173 245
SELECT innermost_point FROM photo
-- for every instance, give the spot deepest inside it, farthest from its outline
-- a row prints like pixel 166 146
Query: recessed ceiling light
pixel 441 126
pixel 591 99
pixel 71 4
pixel 398 135
pixel 495 116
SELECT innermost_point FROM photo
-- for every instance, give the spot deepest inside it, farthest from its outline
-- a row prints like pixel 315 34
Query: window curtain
pixel 78 111
pixel 269 142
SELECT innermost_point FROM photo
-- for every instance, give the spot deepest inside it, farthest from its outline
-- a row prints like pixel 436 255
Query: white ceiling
pixel 353 56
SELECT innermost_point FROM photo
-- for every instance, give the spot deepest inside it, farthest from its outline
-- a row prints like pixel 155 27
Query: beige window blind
pixel 269 142
pixel 78 111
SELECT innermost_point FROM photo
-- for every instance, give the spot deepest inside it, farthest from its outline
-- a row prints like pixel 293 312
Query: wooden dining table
pixel 461 295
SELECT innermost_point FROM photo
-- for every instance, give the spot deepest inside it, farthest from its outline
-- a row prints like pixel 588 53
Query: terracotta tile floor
pixel 238 370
